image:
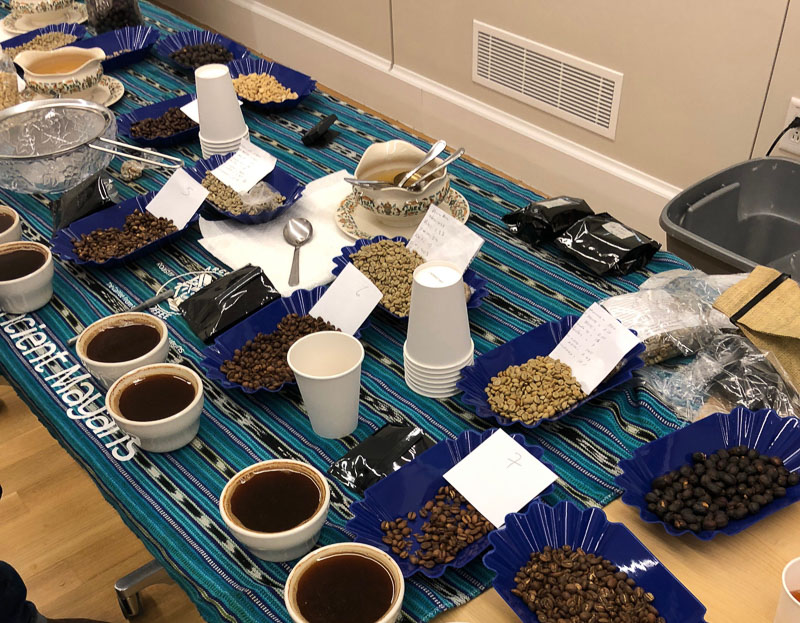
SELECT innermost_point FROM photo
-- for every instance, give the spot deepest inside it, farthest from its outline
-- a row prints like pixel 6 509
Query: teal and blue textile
pixel 170 500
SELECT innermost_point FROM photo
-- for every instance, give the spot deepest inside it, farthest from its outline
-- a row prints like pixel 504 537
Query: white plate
pixel 358 222
pixel 20 24
pixel 107 92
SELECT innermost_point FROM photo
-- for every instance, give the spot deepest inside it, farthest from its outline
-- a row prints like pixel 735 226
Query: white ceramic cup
pixel 278 546
pixel 31 291
pixel 327 366
pixel 290 591
pixel 106 372
pixel 438 326
pixel 221 119
pixel 164 435
pixel 13 233
pixel 788 607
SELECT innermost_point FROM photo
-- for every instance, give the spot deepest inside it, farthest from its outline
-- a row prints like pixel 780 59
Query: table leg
pixel 128 587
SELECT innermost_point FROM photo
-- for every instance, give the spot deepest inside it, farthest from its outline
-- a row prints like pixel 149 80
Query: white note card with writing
pixel 191 110
pixel 594 346
pixel 245 168
pixel 348 301
pixel 499 477
pixel 178 199
pixel 441 237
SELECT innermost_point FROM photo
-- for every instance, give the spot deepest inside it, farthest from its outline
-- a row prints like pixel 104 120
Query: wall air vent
pixel 568 87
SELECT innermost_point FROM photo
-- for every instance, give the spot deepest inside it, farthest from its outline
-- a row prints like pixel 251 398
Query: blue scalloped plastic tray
pixel 124 122
pixel 410 487
pixel 539 342
pixel 137 39
pixel 78 30
pixel 279 179
pixel 566 524
pixel 110 217
pixel 263 321
pixel 178 40
pixel 298 82
pixel 476 283
pixel 763 430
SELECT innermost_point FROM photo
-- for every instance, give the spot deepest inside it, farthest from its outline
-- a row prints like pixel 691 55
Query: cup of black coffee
pixel 158 405
pixel 26 276
pixel 276 508
pixel 117 344
pixel 10 224
pixel 351 582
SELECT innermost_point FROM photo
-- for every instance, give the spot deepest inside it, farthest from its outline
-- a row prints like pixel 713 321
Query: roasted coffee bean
pixel 140 229
pixel 732 484
pixel 202 54
pixel 261 362
pixel 568 585
pixel 174 120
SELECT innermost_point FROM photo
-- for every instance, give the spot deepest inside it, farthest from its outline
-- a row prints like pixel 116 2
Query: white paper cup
pixel 221 118
pixel 13 233
pixel 438 326
pixel 430 392
pixel 788 607
pixel 438 371
pixel 432 381
pixel 31 291
pixel 327 366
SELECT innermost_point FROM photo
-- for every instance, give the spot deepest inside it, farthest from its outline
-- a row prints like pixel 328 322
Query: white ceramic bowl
pixel 398 207
pixel 42 9
pixel 31 291
pixel 290 591
pixel 13 233
pixel 164 435
pixel 289 544
pixel 107 373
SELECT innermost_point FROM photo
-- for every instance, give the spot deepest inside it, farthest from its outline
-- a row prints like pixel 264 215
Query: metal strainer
pixel 49 146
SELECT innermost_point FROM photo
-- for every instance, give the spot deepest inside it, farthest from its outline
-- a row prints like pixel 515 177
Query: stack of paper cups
pixel 438 344
pixel 222 126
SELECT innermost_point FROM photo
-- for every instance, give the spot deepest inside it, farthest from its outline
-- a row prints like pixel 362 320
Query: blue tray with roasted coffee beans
pixel 718 475
pixel 201 43
pixel 169 136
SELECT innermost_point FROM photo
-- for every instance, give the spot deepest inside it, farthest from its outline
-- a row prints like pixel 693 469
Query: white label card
pixel 178 199
pixel 245 168
pixel 191 110
pixel 441 237
pixel 348 301
pixel 620 231
pixel 594 346
pixel 499 477
pixel 555 203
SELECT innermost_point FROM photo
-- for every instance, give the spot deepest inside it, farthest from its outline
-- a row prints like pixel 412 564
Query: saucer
pixel 20 24
pixel 358 222
pixel 106 93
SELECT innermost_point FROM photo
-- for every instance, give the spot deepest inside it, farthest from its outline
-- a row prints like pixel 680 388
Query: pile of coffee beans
pixel 390 266
pixel 262 88
pixel 263 198
pixel 568 585
pixel 716 489
pixel 539 388
pixel 202 54
pixel 453 524
pixel 42 43
pixel 113 14
pixel 174 120
pixel 261 362
pixel 140 229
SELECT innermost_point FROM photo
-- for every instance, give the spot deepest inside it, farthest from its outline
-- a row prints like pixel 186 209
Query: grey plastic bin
pixel 745 215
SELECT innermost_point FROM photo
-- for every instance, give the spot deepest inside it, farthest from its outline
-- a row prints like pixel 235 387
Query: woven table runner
pixel 170 500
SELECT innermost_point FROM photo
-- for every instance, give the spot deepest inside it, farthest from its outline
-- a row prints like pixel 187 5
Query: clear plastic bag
pixel 107 15
pixel 729 371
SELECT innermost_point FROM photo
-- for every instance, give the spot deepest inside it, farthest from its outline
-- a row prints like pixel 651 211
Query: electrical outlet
pixel 791 140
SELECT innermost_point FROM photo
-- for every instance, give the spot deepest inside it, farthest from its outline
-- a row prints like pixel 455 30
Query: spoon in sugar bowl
pixel 297 232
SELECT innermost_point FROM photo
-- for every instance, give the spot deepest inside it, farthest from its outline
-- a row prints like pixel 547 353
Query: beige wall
pixel 695 73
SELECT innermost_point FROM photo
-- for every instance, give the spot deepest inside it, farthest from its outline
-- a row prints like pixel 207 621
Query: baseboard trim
pixel 512 145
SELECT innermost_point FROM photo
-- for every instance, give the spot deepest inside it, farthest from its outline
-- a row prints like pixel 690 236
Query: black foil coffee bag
pixel 227 300
pixel 89 196
pixel 541 221
pixel 607 247
pixel 379 455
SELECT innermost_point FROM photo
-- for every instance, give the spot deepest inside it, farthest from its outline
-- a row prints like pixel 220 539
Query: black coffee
pixel 123 343
pixel 16 264
pixel 345 588
pixel 274 500
pixel 155 397
pixel 6 221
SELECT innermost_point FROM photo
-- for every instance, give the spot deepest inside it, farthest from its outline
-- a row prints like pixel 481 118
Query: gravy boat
pixel 83 74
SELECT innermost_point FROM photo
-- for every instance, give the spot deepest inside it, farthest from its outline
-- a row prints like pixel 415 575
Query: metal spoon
pixel 452 158
pixel 368 183
pixel 297 232
pixel 437 148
